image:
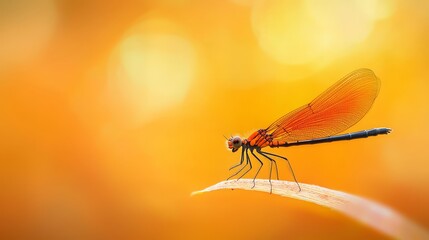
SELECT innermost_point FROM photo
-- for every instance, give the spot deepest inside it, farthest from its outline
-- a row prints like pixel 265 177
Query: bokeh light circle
pixel 152 68
pixel 286 32
pixel 307 32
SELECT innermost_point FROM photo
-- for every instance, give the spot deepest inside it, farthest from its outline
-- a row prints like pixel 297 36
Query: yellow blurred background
pixel 113 112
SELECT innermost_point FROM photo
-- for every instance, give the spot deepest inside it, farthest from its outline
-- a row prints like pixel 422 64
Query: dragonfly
pixel 335 110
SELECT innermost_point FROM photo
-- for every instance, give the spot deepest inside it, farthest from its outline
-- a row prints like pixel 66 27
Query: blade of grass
pixel 375 215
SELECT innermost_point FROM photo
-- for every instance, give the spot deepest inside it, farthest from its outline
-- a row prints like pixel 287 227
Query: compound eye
pixel 236 142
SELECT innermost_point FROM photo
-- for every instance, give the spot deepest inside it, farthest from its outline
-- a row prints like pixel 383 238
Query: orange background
pixel 112 113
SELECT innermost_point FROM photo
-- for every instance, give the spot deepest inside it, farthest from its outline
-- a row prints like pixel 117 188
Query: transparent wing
pixel 335 110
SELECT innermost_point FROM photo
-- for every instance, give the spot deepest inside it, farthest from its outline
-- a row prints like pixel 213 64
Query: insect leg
pixel 271 167
pixel 250 163
pixel 262 164
pixel 290 166
pixel 241 162
pixel 272 161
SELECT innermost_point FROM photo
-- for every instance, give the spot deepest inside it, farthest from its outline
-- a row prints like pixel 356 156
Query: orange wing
pixel 335 110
